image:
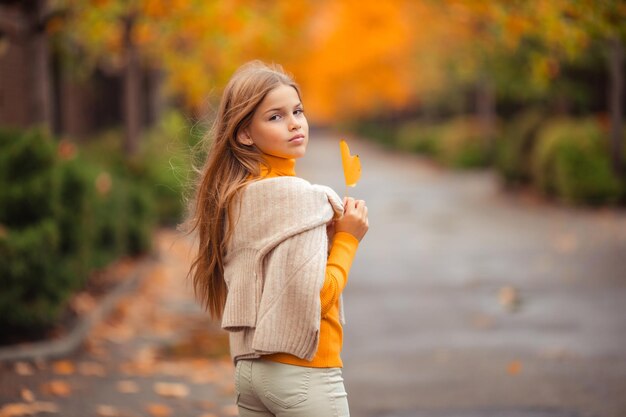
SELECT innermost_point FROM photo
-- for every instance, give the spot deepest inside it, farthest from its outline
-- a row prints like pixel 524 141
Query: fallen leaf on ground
pixel 565 243
pixel 93 345
pixel 107 411
pixel 27 409
pixel 127 387
pixel 509 297
pixel 170 389
pixel 57 387
pixel 83 303
pixel 482 321
pixel 206 405
pixel 63 368
pixel 159 410
pixel 27 395
pixel 91 369
pixel 227 388
pixel 24 368
pixel 230 410
pixel 119 333
pixel 143 363
pixel 514 368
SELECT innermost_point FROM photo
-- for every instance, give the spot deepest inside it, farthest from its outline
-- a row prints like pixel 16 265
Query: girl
pixel 274 250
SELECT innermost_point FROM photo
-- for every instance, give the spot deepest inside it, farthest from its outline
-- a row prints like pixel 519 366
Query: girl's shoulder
pixel 273 182
pixel 291 185
pixel 281 191
pixel 270 210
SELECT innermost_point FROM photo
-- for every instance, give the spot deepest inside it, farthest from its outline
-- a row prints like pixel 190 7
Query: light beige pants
pixel 268 389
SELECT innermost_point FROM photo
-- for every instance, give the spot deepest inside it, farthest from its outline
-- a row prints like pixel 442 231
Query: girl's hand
pixel 354 220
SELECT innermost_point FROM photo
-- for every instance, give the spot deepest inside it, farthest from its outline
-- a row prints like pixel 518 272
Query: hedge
pixel 571 161
pixel 61 216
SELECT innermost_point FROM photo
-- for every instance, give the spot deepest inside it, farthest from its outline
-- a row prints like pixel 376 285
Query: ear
pixel 244 137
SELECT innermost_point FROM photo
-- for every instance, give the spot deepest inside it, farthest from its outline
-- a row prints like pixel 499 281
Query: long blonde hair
pixel 229 166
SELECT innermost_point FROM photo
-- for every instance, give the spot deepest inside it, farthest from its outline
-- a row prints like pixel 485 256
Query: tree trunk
pixel 41 61
pixel 132 85
pixel 616 95
pixel 486 112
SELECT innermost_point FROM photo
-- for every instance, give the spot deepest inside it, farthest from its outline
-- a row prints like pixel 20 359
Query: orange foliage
pixel 351 57
pixel 356 58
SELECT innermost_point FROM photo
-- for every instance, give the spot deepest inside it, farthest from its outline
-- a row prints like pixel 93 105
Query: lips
pixel 296 137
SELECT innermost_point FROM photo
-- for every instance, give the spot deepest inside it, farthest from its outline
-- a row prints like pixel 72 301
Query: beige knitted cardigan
pixel 275 265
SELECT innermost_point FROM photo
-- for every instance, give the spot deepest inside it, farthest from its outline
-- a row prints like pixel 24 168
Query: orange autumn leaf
pixel 57 387
pixel 107 411
pixel 63 368
pixel 351 165
pixel 159 410
pixel 170 389
pixel 230 410
pixel 514 367
pixel 27 395
pixel 24 368
pixel 127 387
pixel 22 409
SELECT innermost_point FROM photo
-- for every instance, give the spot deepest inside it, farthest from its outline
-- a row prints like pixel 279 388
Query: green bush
pixel 419 137
pixel 167 152
pixel 458 143
pixel 34 281
pixel 32 273
pixel 27 175
pixel 141 219
pixel 462 144
pixel 571 161
pixel 162 165
pixel 108 218
pixel 380 132
pixel 515 146
pixel 61 216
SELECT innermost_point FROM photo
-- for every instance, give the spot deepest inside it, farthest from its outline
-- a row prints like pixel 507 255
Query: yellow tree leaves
pixel 351 57
pixel 357 58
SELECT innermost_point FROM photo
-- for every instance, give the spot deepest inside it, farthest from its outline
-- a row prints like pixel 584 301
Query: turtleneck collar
pixel 280 167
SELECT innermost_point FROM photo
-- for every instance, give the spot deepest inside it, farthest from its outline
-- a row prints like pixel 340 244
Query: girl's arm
pixel 340 259
pixel 347 232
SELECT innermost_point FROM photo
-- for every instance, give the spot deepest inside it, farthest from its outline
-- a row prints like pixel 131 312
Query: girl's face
pixel 278 126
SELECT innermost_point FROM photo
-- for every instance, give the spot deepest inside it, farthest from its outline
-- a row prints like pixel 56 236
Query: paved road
pixel 467 301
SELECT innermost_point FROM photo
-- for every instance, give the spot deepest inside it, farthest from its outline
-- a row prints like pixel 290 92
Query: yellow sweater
pixel 341 254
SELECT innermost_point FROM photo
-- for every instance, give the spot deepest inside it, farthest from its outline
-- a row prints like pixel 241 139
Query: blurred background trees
pixel 105 98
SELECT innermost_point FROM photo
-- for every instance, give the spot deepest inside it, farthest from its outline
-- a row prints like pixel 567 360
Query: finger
pixel 349 204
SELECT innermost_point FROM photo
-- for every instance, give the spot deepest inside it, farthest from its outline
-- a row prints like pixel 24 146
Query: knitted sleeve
pixel 338 266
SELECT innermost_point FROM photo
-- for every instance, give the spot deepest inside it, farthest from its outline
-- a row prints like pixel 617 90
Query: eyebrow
pixel 280 108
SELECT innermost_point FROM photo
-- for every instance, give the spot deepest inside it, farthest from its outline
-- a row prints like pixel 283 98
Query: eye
pixel 275 117
pixel 298 111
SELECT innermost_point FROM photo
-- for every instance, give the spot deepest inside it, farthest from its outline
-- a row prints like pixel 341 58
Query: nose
pixel 294 124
